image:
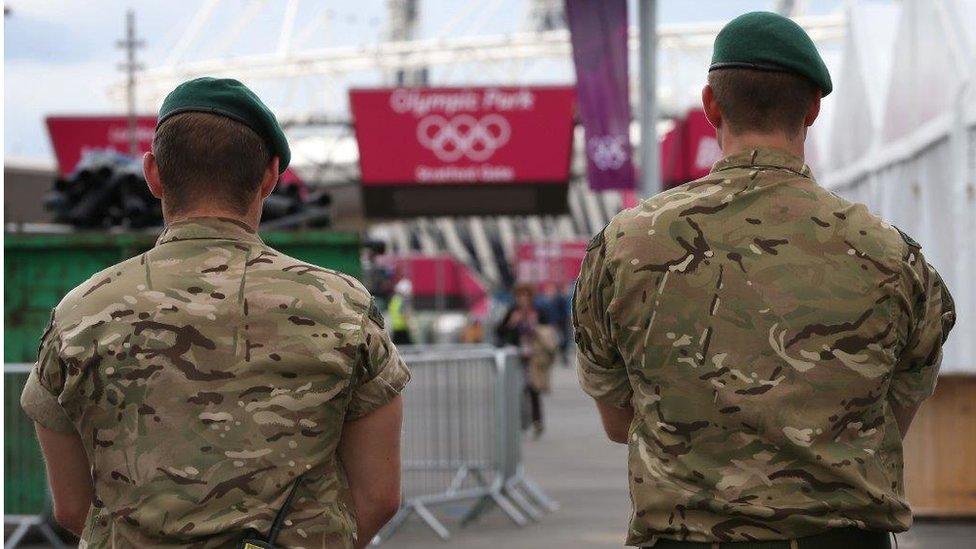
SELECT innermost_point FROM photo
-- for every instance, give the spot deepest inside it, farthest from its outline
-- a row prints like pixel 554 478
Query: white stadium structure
pixel 898 133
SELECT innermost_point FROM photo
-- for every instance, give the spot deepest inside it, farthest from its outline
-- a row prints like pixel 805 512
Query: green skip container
pixel 39 269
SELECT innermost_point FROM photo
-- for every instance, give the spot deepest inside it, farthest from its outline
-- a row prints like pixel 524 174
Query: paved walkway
pixel 579 468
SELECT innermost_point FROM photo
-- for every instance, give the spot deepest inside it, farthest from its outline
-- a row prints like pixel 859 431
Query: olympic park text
pixel 421 102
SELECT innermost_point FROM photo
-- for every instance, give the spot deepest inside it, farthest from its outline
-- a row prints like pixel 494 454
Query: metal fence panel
pixel 26 503
pixel 450 426
pixel 462 436
pixel 24 486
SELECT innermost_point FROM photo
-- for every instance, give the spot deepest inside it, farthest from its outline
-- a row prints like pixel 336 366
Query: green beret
pixel 764 40
pixel 228 97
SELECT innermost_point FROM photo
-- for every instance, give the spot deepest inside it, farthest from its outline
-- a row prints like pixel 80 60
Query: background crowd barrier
pixel 462 437
pixel 26 504
pixel 415 349
pixel 461 444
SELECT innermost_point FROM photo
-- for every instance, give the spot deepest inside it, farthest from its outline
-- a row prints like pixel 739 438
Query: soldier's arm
pixel 933 316
pixel 616 421
pixel 68 473
pixel 904 416
pixel 602 372
pixel 370 454
pixel 370 444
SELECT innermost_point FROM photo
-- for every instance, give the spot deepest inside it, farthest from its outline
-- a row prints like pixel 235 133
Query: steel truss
pixel 285 62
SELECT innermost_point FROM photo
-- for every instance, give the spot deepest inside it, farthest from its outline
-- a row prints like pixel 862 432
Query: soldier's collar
pixel 764 158
pixel 197 228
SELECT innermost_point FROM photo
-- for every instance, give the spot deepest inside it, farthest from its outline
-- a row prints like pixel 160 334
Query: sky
pixel 60 57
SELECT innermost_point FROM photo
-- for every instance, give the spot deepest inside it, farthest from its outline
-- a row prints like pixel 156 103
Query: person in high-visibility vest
pixel 399 312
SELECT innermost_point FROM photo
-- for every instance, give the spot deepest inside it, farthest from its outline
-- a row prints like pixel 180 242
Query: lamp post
pixel 650 172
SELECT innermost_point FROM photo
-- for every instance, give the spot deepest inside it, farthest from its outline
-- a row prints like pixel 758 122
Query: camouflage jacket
pixel 762 328
pixel 203 377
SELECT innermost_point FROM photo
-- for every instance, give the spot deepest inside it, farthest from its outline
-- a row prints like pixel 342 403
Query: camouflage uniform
pixel 203 376
pixel 761 327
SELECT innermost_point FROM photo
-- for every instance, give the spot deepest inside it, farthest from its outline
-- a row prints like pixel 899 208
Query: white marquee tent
pixel 904 138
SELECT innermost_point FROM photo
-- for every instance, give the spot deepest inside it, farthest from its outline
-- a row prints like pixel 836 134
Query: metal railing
pixel 461 442
pixel 415 349
pixel 462 438
pixel 25 483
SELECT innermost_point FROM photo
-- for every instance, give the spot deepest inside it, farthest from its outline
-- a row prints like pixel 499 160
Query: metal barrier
pixel 442 348
pixel 26 496
pixel 462 437
pixel 462 440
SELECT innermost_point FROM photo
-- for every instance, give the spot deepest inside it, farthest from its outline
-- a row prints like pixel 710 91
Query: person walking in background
pixel 555 306
pixel 760 343
pixel 400 311
pixel 526 327
pixel 211 387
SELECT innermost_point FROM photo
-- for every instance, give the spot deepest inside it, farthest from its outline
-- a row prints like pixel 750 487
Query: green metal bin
pixel 39 269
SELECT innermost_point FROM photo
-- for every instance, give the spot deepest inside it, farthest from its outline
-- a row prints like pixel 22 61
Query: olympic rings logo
pixel 463 136
pixel 608 152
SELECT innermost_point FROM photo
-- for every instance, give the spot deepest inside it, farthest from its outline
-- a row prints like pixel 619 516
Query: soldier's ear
pixel 813 111
pixel 151 171
pixel 710 106
pixel 270 178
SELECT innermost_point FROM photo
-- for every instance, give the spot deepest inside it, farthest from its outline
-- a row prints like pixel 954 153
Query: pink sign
pixel 72 136
pixel 701 145
pixel 435 277
pixel 544 262
pixel 689 149
pixel 491 135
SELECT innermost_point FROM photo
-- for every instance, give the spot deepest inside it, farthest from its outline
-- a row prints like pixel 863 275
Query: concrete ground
pixel 575 465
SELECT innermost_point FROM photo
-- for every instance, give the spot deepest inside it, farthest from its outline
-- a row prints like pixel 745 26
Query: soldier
pixel 195 394
pixel 760 343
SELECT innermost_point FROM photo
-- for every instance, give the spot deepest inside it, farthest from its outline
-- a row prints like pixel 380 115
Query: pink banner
pixel 688 150
pixel 544 262
pixel 598 32
pixel 73 136
pixel 493 135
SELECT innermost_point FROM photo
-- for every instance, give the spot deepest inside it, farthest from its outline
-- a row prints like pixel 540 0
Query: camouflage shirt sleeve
pixel 933 316
pixel 45 382
pixel 601 369
pixel 382 374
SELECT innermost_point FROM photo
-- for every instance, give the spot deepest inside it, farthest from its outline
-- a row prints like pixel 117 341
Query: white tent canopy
pixel 916 165
pixel 862 82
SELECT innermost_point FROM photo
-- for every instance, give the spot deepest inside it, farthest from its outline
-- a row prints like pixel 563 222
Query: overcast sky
pixel 60 56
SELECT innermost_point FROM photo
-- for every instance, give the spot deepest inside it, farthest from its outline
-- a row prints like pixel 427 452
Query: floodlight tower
pixel 547 15
pixel 130 44
pixel 404 16
pixel 790 8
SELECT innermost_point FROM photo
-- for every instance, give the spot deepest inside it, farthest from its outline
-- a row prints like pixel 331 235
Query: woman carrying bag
pixel 524 326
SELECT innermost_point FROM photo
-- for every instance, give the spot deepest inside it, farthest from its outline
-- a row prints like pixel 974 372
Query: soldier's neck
pixel 737 143
pixel 252 219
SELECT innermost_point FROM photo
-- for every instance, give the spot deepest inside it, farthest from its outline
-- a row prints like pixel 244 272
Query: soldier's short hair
pixel 762 101
pixel 205 157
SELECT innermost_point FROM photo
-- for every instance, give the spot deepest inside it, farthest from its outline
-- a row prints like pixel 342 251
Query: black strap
pixel 279 520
